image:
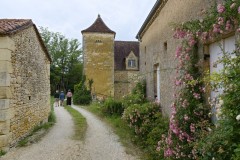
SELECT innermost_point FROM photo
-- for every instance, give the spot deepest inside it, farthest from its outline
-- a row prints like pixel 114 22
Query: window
pixel 98 41
pixel 131 63
pixel 165 47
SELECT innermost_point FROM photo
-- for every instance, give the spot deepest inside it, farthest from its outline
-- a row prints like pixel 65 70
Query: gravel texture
pixel 100 142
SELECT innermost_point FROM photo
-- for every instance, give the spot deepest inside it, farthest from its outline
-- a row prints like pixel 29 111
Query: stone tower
pixel 98 53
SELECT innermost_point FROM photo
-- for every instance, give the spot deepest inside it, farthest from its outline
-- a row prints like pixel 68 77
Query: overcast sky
pixel 69 17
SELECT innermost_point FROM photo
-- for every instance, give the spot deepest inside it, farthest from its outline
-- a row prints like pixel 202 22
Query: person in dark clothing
pixel 61 97
pixel 69 97
pixel 56 96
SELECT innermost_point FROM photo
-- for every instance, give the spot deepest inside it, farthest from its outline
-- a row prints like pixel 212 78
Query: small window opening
pixel 29 97
pixel 98 41
pixel 165 46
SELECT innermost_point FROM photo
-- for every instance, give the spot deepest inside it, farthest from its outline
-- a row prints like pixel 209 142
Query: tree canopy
pixel 66 54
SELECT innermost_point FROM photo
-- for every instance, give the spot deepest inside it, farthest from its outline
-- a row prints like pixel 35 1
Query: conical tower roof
pixel 98 26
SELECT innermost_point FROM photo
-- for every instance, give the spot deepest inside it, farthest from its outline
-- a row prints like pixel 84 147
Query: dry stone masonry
pixel 24 81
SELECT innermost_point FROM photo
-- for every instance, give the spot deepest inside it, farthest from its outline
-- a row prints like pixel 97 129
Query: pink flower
pixel 178 52
pixel 233 5
pixel 186 117
pixel 220 20
pixel 192 128
pixel 185 103
pixel 179 33
pixel 191 42
pixel 178 82
pixel 196 95
pixel 187 57
pixel 238 30
pixel 220 8
pixel 188 77
pixel 239 9
pixel 216 28
pixel 168 153
pixel 204 36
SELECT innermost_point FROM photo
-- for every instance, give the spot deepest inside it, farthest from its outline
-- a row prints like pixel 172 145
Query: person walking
pixel 61 97
pixel 69 97
pixel 56 96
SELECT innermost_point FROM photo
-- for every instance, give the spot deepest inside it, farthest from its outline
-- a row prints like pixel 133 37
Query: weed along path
pixel 100 142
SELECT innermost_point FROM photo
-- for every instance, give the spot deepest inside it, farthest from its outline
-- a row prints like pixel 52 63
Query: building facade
pixel 24 80
pixel 112 65
pixel 157 45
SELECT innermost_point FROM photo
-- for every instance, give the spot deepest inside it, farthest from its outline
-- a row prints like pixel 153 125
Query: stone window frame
pixel 132 58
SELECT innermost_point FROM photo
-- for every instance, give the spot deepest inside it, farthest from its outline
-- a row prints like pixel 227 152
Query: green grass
pixel 2 153
pixel 125 133
pixel 80 123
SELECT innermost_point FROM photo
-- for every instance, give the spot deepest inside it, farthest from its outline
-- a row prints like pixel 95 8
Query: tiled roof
pixel 10 26
pixel 122 50
pixel 98 26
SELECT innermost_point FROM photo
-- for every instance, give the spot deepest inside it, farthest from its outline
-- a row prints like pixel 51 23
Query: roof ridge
pixel 99 26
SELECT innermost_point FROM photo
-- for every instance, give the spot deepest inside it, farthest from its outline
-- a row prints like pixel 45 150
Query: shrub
pixel 81 94
pixel 140 117
pixel 112 107
pixel 138 95
pixel 148 124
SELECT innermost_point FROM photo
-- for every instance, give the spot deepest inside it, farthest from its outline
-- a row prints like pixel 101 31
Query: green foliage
pixel 148 124
pixel 141 117
pixel 112 107
pixel 80 123
pixel 223 142
pixel 66 66
pixel 138 95
pixel 158 127
pixel 188 136
pixel 2 153
pixel 82 95
pixel 52 116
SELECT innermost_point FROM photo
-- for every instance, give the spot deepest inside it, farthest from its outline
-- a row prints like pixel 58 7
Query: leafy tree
pixel 66 66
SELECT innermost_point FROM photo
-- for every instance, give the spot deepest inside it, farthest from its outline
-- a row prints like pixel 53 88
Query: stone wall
pixel 124 82
pixel 99 62
pixel 157 45
pixel 25 101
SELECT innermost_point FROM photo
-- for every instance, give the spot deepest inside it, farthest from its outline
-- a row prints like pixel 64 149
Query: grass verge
pixel 2 153
pixel 80 123
pixel 125 133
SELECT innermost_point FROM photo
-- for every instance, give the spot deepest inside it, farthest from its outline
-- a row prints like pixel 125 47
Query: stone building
pixel 24 80
pixel 112 65
pixel 157 45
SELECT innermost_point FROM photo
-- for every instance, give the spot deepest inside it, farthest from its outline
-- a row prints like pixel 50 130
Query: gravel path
pixel 100 142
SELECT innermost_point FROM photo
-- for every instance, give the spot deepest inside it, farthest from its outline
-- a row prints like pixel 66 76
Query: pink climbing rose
pixel 233 5
pixel 220 8
pixel 239 9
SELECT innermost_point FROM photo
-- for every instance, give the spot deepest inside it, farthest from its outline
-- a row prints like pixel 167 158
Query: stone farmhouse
pixel 24 80
pixel 157 46
pixel 112 65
